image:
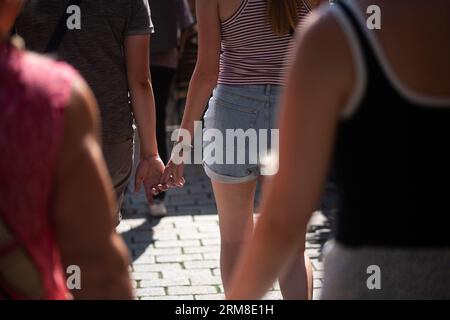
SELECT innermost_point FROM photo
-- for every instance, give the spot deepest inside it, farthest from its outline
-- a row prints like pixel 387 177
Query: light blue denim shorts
pixel 234 107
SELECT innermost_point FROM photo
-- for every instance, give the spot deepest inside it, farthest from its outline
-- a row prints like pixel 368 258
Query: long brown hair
pixel 282 15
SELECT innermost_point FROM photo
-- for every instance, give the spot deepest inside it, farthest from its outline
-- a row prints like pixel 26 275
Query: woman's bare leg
pixel 235 206
pixel 296 283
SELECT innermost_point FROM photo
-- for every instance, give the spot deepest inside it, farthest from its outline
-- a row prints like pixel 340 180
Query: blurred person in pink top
pixel 53 180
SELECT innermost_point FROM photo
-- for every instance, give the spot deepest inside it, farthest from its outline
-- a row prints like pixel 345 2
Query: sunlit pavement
pixel 177 257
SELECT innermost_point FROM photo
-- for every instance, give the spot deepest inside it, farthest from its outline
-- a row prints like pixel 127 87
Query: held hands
pixel 173 176
pixel 149 172
pixel 158 178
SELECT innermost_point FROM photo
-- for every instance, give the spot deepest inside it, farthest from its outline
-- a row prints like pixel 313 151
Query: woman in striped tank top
pixel 243 47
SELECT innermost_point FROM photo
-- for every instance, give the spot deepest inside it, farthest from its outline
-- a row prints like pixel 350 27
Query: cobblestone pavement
pixel 177 257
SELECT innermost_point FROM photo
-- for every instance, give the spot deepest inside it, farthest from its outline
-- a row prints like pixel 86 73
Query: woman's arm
pixel 202 83
pixel 310 111
pixel 84 205
pixel 206 72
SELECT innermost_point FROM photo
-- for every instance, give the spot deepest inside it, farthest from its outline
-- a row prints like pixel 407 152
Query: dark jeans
pixel 162 78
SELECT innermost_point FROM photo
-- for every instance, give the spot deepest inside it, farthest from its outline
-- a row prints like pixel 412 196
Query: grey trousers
pixel 119 159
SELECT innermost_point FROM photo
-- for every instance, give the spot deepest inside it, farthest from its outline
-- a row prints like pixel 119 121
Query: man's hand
pixel 149 172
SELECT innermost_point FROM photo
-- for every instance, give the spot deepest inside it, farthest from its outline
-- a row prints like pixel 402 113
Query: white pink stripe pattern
pixel 251 52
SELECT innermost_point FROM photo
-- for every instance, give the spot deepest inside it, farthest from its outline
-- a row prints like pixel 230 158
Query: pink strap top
pixel 33 94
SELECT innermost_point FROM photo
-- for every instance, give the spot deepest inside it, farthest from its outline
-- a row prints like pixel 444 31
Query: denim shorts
pixel 234 107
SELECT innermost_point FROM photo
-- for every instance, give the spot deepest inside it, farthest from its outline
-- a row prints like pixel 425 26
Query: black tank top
pixel 393 166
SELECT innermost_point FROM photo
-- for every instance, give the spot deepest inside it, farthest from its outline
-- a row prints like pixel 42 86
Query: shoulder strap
pixel 307 6
pixel 374 70
pixel 61 29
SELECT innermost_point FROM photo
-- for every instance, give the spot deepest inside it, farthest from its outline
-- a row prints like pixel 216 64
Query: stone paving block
pixel 202 249
pixel 186 297
pixel 211 217
pixel 209 227
pixel 165 282
pixel 317 283
pixel 134 223
pixel 313 253
pixel 318 266
pixel 317 294
pixel 206 280
pixel 188 218
pixel 177 243
pixel 318 274
pixel 141 268
pixel 218 296
pixel 152 251
pixel 192 290
pixel 144 275
pixel 188 228
pixel 179 258
pixel 185 225
pixel 160 267
pixel 144 259
pixel 201 264
pixel 276 286
pixel 197 235
pixel 166 235
pixel 189 273
pixel 211 256
pixel 211 242
pixel 144 292
pixel 123 227
pixel 273 295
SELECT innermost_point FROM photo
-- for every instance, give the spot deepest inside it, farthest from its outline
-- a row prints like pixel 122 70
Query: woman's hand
pixel 173 176
pixel 149 172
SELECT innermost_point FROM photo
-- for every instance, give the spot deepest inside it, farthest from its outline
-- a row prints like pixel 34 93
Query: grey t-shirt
pixel 96 50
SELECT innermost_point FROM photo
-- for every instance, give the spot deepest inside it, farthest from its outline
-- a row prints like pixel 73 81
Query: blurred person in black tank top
pixel 381 99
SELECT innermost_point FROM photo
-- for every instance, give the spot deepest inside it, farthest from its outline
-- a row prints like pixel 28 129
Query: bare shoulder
pixel 81 121
pixel 323 49
pixel 82 112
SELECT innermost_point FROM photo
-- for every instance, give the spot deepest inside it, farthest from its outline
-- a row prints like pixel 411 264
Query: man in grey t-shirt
pixel 108 42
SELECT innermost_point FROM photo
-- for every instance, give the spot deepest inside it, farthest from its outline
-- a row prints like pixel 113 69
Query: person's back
pixel 252 53
pixel 31 127
pixel 39 230
pixel 396 136
pixel 96 50
pixel 53 180
pixel 382 98
pixel 108 42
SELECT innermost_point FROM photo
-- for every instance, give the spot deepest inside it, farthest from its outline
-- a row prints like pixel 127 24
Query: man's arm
pixel 150 168
pixel 84 216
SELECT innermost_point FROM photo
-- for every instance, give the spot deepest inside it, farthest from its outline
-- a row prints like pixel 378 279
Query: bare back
pixel 413 42
pixel 227 8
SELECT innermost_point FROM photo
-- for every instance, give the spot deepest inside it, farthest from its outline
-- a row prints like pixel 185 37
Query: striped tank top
pixel 252 53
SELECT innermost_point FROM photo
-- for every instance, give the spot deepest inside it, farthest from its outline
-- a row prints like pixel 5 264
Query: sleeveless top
pixel 392 166
pixel 252 53
pixel 33 94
